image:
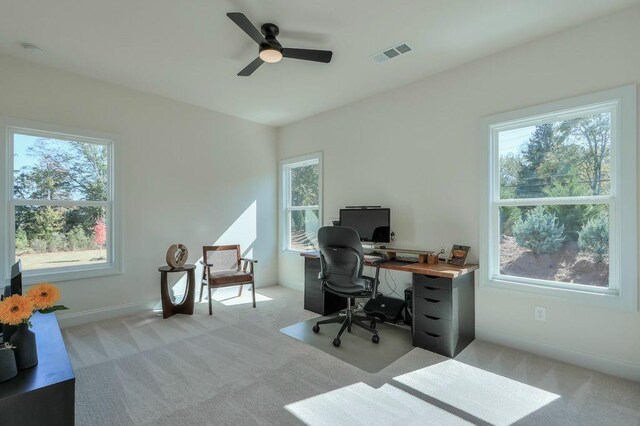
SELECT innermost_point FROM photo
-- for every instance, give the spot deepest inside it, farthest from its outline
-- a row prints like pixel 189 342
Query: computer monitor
pixel 16 278
pixel 373 224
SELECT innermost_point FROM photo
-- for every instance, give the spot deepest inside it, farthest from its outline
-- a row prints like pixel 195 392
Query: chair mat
pixel 357 348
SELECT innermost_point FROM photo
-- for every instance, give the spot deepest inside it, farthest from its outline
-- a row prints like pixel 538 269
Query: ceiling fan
pixel 270 50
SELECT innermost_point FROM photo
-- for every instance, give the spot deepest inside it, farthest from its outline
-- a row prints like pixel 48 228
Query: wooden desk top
pixel 437 270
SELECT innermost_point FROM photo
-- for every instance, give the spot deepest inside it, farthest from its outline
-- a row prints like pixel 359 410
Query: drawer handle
pixel 433 277
pixel 432 334
pixel 431 288
pixel 431 300
pixel 432 318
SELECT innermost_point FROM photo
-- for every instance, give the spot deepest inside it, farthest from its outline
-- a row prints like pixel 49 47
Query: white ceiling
pixel 190 51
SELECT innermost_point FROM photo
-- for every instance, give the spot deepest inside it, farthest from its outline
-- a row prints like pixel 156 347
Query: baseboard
pixel 109 312
pixel 606 365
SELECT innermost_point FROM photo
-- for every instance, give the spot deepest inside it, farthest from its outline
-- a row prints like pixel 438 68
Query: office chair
pixel 341 263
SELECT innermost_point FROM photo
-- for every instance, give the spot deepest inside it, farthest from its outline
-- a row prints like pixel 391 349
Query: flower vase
pixel 8 368
pixel 7 332
pixel 26 351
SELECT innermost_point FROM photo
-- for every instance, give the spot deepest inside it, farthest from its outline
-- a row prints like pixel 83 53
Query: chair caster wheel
pixel 316 328
pixel 336 342
pixel 373 324
pixel 375 338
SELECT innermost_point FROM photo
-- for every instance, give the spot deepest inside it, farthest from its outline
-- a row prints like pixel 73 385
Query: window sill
pixel 606 298
pixel 52 275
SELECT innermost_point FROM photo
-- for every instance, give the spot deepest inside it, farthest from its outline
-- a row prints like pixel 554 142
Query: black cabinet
pixel 443 313
pixel 315 300
pixel 44 394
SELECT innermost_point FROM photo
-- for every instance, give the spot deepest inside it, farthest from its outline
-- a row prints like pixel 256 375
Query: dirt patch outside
pixel 567 265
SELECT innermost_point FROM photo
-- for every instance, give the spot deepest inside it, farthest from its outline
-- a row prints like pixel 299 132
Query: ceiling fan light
pixel 271 55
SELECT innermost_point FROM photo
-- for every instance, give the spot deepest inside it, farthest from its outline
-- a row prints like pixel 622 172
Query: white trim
pixel 284 209
pixel 99 314
pixel 623 289
pixel 584 359
pixel 113 207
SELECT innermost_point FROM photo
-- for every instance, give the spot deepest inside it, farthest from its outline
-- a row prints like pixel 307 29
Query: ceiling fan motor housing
pixel 270 32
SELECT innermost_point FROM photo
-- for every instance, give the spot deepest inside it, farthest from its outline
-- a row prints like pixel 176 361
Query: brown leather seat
pixel 229 277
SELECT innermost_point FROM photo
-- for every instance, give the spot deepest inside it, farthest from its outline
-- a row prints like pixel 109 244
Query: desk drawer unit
pixel 443 313
pixel 315 300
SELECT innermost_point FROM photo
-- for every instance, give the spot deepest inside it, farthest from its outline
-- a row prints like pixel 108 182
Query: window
pixel 59 199
pixel 302 199
pixel 560 198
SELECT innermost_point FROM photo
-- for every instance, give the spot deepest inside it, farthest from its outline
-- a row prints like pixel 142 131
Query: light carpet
pixel 236 368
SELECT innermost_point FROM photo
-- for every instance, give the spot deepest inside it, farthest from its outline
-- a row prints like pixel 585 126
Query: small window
pixel 60 202
pixel 302 197
pixel 561 204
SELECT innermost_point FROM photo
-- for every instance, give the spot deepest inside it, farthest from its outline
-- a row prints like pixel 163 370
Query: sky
pixel 512 141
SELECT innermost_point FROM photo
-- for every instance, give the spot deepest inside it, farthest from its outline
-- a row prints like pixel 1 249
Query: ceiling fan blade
pixel 249 69
pixel 246 26
pixel 308 54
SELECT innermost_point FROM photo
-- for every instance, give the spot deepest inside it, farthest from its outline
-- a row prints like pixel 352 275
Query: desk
pixel 443 305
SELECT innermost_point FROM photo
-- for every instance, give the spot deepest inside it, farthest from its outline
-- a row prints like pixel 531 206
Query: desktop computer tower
pixel 408 305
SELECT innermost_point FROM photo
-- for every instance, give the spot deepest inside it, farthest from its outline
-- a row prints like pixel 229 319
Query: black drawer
pixel 433 342
pixel 434 293
pixel 432 307
pixel 430 281
pixel 433 325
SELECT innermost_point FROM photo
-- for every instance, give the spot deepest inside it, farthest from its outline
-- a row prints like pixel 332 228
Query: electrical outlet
pixel 540 313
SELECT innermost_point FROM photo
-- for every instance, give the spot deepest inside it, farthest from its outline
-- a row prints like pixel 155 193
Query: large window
pixel 561 196
pixel 302 202
pixel 59 202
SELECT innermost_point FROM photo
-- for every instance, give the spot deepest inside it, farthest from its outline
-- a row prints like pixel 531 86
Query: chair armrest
pixel 249 262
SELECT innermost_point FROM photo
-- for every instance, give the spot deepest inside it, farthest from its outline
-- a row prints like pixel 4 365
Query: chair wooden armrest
pixel 249 262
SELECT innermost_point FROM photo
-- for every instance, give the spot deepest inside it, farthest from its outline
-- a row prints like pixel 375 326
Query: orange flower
pixel 43 295
pixel 15 310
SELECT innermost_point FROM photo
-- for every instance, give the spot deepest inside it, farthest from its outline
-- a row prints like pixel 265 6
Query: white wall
pixel 415 149
pixel 188 175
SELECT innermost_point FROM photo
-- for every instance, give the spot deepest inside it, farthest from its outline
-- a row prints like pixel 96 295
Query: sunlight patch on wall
pixel 243 231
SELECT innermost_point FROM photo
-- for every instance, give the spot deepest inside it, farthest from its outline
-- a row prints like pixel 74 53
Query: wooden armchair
pixel 223 267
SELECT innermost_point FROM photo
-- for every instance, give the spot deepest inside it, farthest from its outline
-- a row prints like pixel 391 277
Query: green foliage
pixel 594 237
pixel 509 217
pixel 530 181
pixel 539 232
pixel 61 170
pixel 39 245
pixel 572 216
pixel 56 242
pixel 53 309
pixel 77 239
pixel 47 221
pixel 22 242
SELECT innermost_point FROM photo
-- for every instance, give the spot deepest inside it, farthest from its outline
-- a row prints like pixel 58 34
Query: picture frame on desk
pixel 458 255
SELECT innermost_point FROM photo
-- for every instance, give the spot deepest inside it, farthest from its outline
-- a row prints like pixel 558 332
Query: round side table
pixel 186 305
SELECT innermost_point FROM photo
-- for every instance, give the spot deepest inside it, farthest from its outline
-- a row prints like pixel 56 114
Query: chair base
pixel 348 320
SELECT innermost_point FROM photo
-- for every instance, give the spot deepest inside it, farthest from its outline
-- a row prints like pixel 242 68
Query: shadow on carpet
pixel 357 348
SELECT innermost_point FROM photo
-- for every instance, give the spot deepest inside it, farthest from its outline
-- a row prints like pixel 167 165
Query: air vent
pixel 391 53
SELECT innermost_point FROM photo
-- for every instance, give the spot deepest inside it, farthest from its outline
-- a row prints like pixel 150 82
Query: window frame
pixel 286 208
pixel 623 281
pixel 113 219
